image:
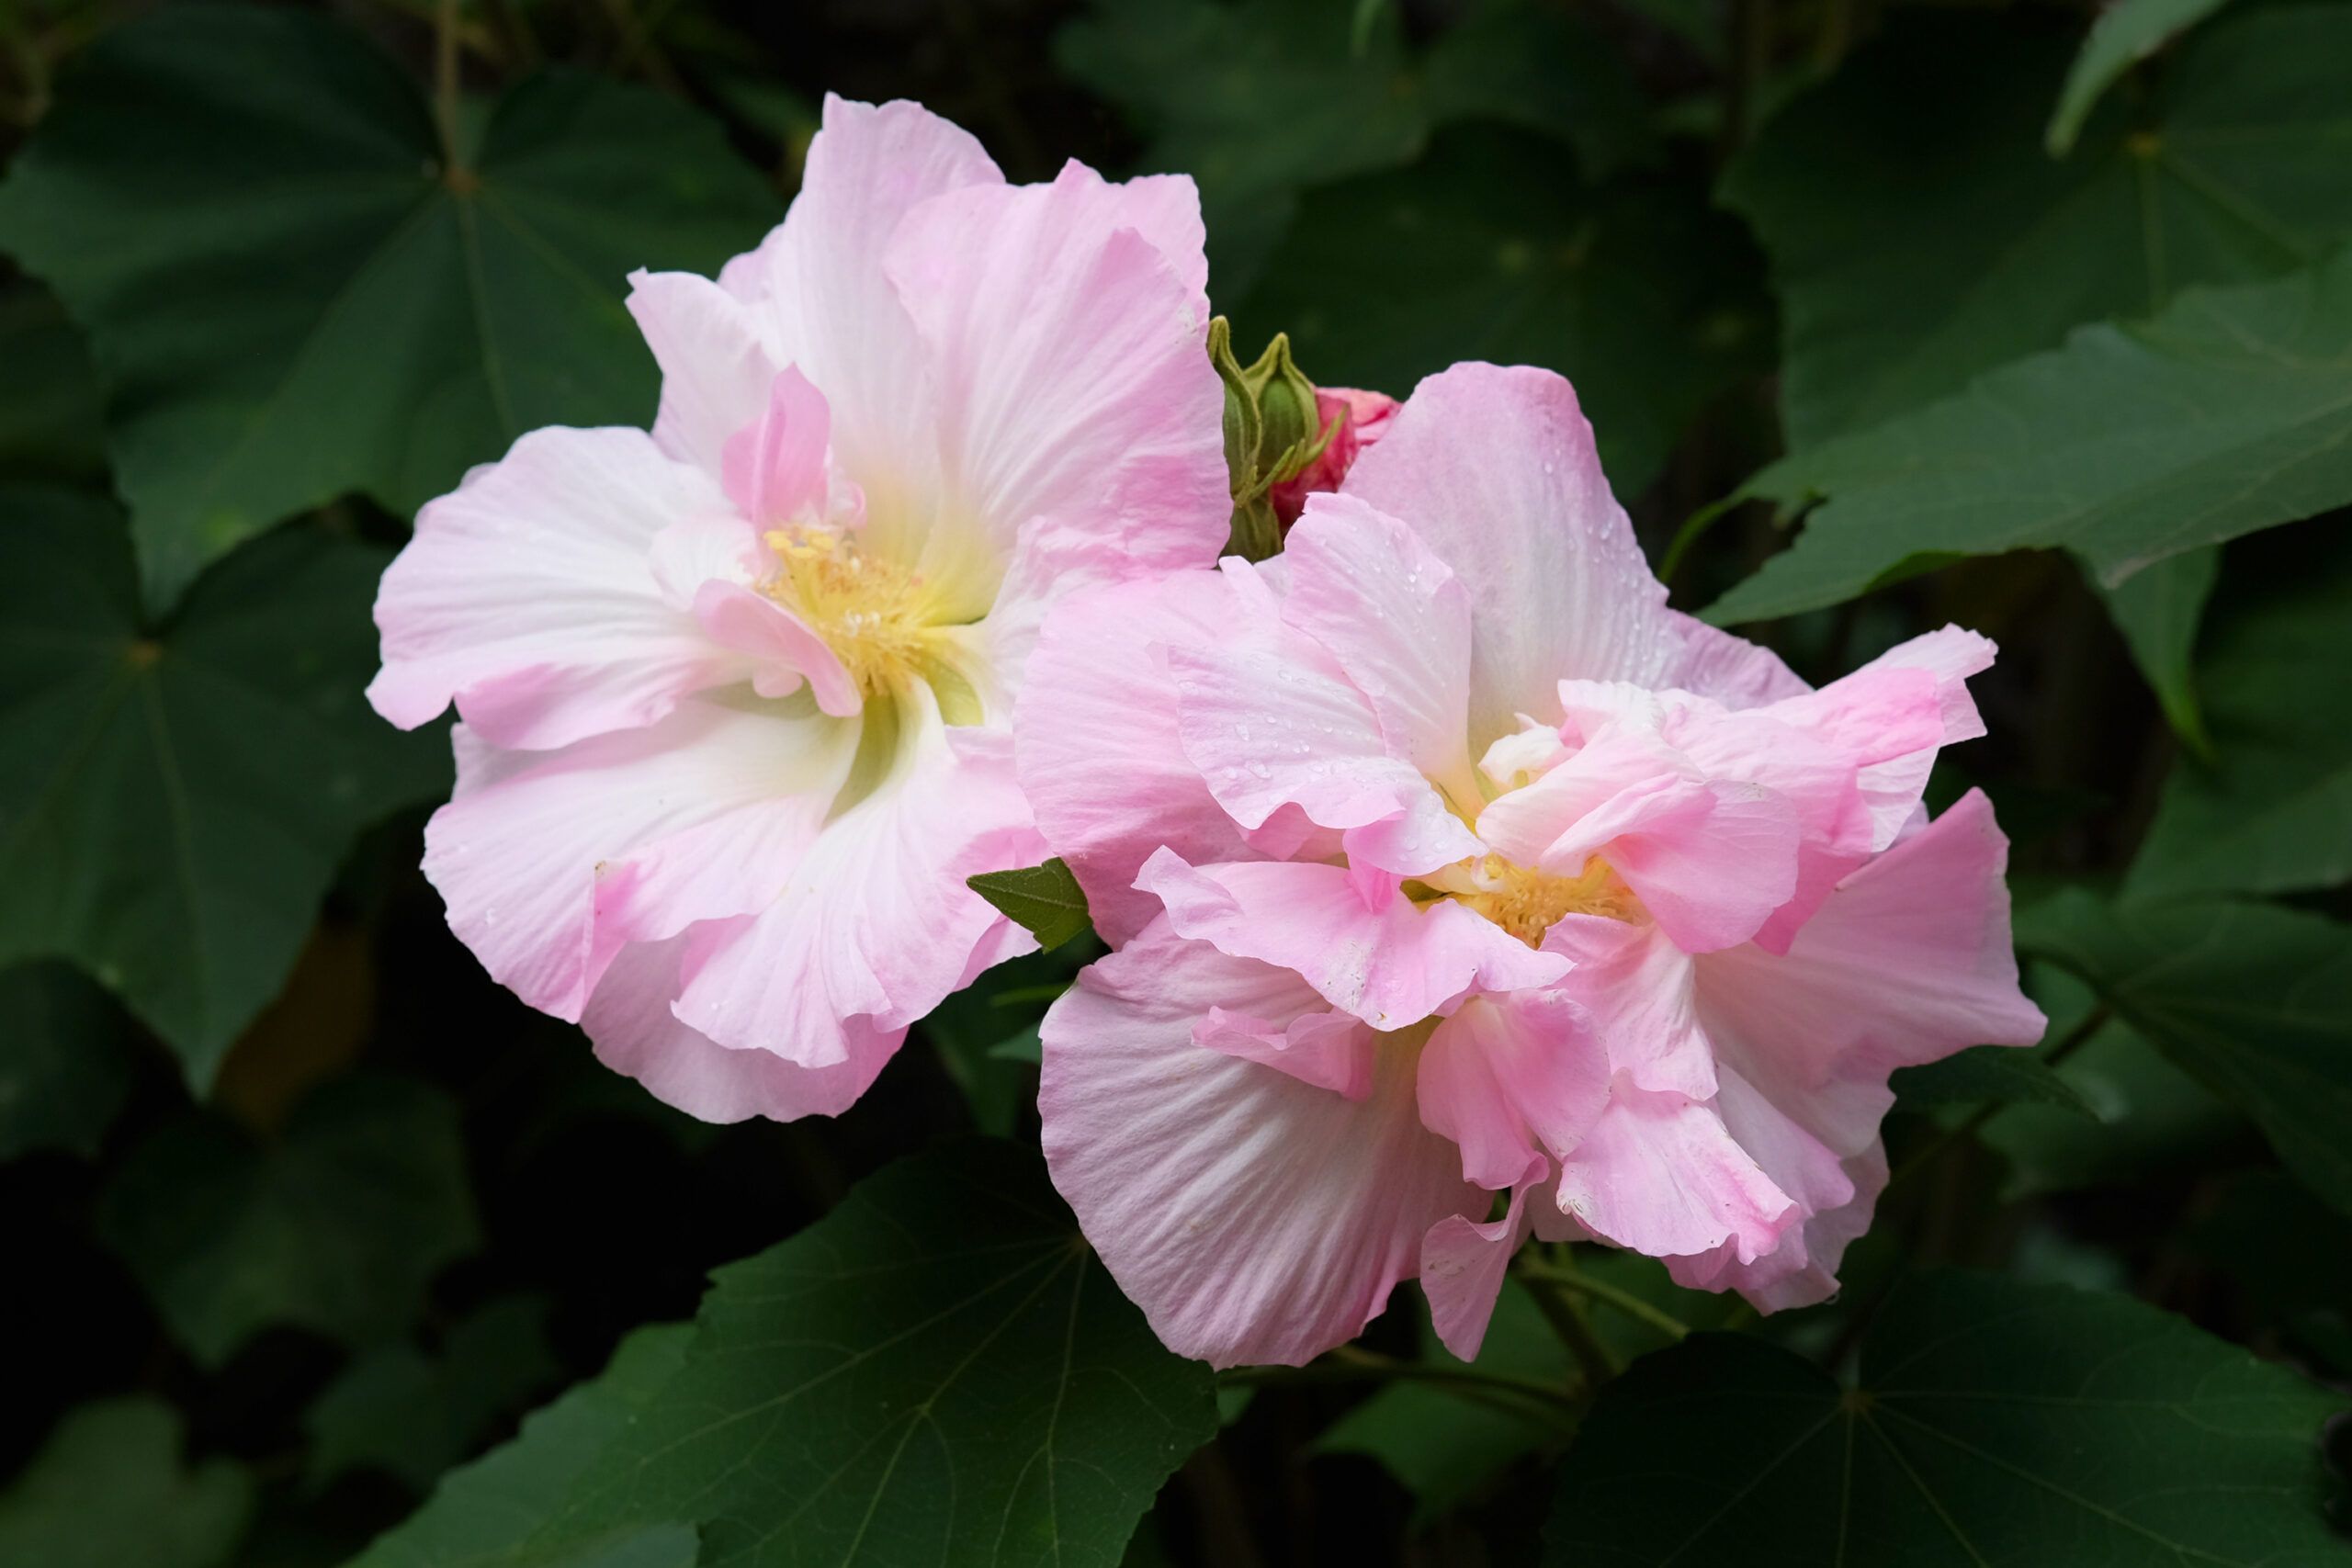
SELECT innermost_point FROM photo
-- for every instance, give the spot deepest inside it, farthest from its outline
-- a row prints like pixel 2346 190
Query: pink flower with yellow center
pixel 736 692
pixel 1452 873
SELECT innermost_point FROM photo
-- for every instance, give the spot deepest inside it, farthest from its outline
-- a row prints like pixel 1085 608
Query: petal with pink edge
pixel 1462 1264
pixel 528 598
pixel 1495 468
pixel 716 369
pixel 548 861
pixel 1908 961
pixel 874 922
pixel 629 1021
pixel 1095 736
pixel 1638 993
pixel 774 466
pixel 816 289
pixel 1661 1174
pixel 1329 1049
pixel 1253 1217
pixel 1509 1077
pixel 1390 967
pixel 1391 613
pixel 1069 363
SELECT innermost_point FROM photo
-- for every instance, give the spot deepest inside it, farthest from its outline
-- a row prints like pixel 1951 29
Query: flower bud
pixel 1361 418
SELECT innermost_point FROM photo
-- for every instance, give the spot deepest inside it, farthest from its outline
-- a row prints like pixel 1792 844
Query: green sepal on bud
pixel 1271 434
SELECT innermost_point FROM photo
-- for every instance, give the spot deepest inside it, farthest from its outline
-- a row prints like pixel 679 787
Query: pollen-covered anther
pixel 868 610
pixel 1527 903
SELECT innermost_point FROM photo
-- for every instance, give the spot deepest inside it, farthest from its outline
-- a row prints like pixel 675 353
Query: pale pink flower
pixel 736 692
pixel 1444 861
pixel 1364 417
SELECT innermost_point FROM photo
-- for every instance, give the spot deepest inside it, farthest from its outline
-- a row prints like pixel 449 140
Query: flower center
pixel 1527 903
pixel 868 610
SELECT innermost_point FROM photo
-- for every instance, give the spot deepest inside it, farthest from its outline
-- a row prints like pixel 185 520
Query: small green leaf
pixel 249 212
pixel 67 1059
pixel 1044 900
pixel 938 1371
pixel 338 1227
pixel 109 1489
pixel 2223 415
pixel 1987 1074
pixel 2158 609
pixel 2253 1000
pixel 2272 811
pixel 2125 33
pixel 411 1415
pixel 1994 1422
pixel 481 1515
pixel 173 802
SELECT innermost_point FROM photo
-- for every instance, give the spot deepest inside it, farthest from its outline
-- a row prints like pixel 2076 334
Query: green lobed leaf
pixel 2226 413
pixel 1986 1075
pixel 67 1059
pixel 1994 1422
pixel 1261 99
pixel 109 1489
pixel 938 1371
pixel 173 800
pixel 2123 34
pixel 482 1514
pixel 246 208
pixel 2253 1000
pixel 338 1226
pixel 1044 900
pixel 397 1409
pixel 1491 248
pixel 2271 812
pixel 49 425
pixel 1920 236
pixel 2157 610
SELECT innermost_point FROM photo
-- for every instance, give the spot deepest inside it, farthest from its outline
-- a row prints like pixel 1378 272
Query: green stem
pixel 1631 1306
pixel 1350 1364
pixel 1595 1360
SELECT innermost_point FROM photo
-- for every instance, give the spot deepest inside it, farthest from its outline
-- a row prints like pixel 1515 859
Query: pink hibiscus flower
pixel 736 691
pixel 1445 861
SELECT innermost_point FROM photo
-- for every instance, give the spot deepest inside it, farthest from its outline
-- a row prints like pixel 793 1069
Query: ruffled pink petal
pixel 548 862
pixel 781 651
pixel 1271 720
pixel 1509 1077
pixel 1661 1174
pixel 774 466
pixel 1709 858
pixel 1638 993
pixel 1390 967
pixel 527 597
pixel 1095 734
pixel 875 926
pixel 1372 593
pixel 817 288
pixel 1464 1261
pixel 629 1021
pixel 1253 1217
pixel 1908 961
pixel 716 369
pixel 1495 469
pixel 1725 667
pixel 1066 353
pixel 1329 1049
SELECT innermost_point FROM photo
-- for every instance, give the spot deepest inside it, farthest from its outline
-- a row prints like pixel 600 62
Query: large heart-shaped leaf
pixel 338 1226
pixel 2271 811
pixel 294 291
pixel 938 1371
pixel 2254 999
pixel 1920 235
pixel 67 1056
pixel 173 798
pixel 2227 413
pixel 1994 1422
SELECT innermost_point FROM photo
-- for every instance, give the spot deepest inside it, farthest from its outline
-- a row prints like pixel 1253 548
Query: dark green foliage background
pixel 320 1249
